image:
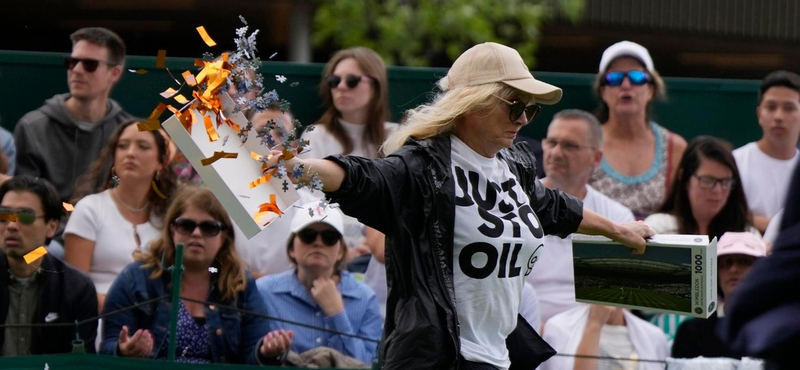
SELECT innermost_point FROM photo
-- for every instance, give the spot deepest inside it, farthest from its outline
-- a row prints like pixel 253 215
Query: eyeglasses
pixel 23 216
pixel 350 80
pixel 186 226
pixel 566 145
pixel 329 237
pixel 725 262
pixel 89 65
pixel 710 182
pixel 636 78
pixel 518 107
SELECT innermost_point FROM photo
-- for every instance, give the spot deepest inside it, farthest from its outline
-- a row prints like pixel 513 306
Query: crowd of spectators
pixel 327 270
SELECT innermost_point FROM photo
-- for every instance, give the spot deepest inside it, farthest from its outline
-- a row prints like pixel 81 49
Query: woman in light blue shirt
pixel 317 292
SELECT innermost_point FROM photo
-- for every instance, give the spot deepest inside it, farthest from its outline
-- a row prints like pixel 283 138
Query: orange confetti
pixel 266 208
pixel 218 156
pixel 261 180
pixel 181 99
pixel 189 78
pixel 168 93
pixel 212 133
pixel 187 120
pixel 139 71
pixel 11 217
pixel 202 31
pixel 161 59
pixel 68 207
pixel 148 125
pixel 256 156
pixel 35 255
pixel 233 126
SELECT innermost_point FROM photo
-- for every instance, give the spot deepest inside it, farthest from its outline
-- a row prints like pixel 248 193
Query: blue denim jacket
pixel 235 338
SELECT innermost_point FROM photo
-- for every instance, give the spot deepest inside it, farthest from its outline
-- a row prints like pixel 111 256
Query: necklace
pixel 132 209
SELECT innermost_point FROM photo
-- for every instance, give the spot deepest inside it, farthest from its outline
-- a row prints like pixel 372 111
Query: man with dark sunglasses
pixel 59 140
pixel 43 290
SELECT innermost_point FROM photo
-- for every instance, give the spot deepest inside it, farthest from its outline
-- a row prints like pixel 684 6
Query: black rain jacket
pixel 410 197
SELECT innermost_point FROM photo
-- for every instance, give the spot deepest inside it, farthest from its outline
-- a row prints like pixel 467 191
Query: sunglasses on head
pixel 23 216
pixel 637 78
pixel 89 65
pixel 186 226
pixel 350 80
pixel 517 107
pixel 309 236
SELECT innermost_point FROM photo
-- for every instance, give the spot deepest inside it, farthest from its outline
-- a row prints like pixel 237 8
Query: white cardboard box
pixel 676 274
pixel 229 178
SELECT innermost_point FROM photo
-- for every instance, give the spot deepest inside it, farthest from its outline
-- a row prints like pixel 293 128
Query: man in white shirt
pixel 765 166
pixel 571 152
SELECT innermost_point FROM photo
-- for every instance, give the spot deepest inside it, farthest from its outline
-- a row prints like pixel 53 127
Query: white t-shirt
pixel 554 279
pixel 495 243
pixel 615 342
pixel 765 179
pixel 97 218
pixel 529 308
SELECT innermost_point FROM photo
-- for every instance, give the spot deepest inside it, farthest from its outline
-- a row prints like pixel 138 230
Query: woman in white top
pixel 107 227
pixel 355 89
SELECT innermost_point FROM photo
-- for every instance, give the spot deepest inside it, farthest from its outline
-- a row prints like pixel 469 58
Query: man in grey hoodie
pixel 58 141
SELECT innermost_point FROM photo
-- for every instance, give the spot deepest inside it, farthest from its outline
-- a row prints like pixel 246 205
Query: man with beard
pixel 46 290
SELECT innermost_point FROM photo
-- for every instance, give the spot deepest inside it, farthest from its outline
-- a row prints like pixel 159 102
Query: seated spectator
pixel 640 157
pixel 206 333
pixel 9 150
pixel 603 331
pixel 571 152
pixel 4 171
pixel 106 228
pixel 736 253
pixel 45 291
pixel 264 253
pixel 318 292
pixel 707 199
pixel 766 165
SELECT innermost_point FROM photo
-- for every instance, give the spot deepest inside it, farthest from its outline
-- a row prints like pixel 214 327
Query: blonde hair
pixel 231 269
pixel 440 116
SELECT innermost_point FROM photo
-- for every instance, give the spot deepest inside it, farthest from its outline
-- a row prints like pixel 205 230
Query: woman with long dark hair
pixel 134 180
pixel 707 197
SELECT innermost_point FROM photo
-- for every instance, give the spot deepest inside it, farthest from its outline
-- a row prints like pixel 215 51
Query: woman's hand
pixel 633 234
pixel 139 345
pixel 599 315
pixel 327 296
pixel 276 343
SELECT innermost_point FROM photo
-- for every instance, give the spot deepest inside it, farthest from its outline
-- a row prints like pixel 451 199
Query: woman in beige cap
pixel 463 216
pixel 640 157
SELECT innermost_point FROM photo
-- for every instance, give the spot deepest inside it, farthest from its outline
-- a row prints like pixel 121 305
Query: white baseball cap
pixel 626 49
pixel 312 213
pixel 741 243
pixel 491 62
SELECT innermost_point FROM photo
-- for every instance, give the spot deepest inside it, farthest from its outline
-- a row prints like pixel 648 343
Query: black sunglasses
pixel 637 78
pixel 89 65
pixel 329 237
pixel 186 226
pixel 517 107
pixel 350 80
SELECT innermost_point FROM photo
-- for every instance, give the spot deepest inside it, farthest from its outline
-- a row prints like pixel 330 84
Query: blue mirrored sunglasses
pixel 636 78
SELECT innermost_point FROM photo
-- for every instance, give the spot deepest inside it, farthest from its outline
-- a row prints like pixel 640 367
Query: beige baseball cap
pixel 491 62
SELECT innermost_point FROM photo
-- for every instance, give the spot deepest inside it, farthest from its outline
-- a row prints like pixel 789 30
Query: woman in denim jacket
pixel 213 273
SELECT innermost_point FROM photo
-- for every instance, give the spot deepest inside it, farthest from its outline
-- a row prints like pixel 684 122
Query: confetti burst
pixel 280 78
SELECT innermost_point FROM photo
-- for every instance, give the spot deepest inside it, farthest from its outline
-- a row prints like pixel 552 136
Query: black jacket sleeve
pixel 85 307
pixel 372 190
pixel 559 212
